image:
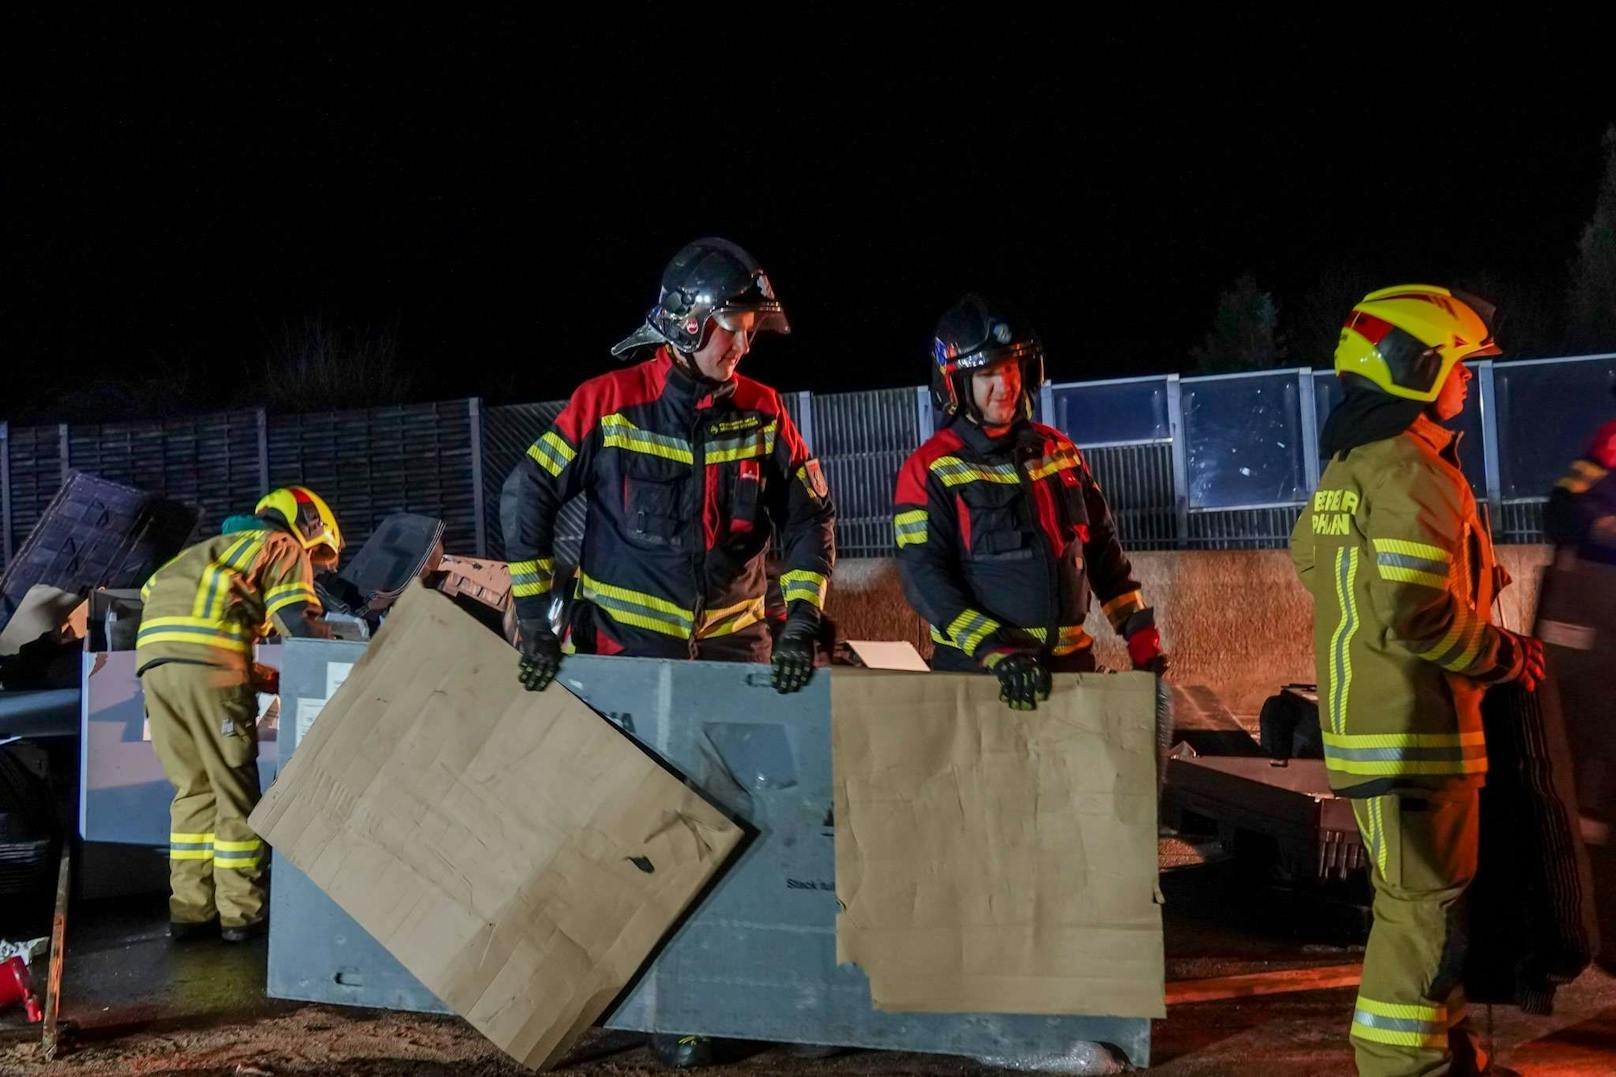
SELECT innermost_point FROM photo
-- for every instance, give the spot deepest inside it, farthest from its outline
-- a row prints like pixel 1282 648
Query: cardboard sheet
pixel 519 854
pixel 996 861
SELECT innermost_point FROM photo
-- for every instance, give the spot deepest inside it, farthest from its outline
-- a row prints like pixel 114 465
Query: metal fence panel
pixel 34 475
pixel 1244 441
pixel 1138 484
pixel 507 433
pixel 1104 413
pixel 862 441
pixel 369 464
pixel 208 460
pixel 1547 412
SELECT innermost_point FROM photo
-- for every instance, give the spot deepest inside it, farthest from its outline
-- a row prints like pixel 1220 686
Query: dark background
pixel 449 204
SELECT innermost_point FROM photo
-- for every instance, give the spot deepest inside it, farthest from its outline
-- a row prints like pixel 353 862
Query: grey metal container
pixel 757 958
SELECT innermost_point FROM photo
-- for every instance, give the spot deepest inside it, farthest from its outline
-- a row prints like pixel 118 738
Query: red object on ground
pixel 16 987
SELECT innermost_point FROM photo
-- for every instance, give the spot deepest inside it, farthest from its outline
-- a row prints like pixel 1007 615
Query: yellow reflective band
pixel 240 862
pixel 1063 460
pixel 1404 740
pixel 1393 767
pixel 1340 659
pixel 1070 638
pixel 190 854
pixel 1122 607
pixel 213 589
pixel 1409 1011
pixel 909 528
pixel 1412 549
pixel 732 619
pixel 539 565
pixel 197 630
pixel 636 608
pixel 529 578
pixel 955 472
pixel 239 846
pixel 969 629
pixel 1411 575
pixel 289 594
pixel 619 433
pixel 755 443
pixel 804 586
pixel 1466 635
pixel 552 453
pixel 191 839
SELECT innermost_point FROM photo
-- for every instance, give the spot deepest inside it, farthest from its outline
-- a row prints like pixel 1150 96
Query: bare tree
pixel 1245 331
pixel 313 363
pixel 1591 313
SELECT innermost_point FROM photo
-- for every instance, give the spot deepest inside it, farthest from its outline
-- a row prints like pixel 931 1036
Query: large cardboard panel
pixel 516 852
pixel 995 861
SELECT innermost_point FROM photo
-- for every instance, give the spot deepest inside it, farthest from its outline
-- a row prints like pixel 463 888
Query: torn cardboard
pixel 519 854
pixel 45 611
pixel 998 861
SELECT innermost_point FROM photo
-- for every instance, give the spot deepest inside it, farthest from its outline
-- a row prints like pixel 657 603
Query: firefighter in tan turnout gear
pixel 203 612
pixel 1403 578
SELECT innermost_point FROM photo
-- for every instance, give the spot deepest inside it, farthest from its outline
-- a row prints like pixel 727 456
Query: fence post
pixel 62 451
pixel 1310 427
pixel 474 410
pixel 1181 459
pixel 1046 404
pixel 263 451
pixel 923 416
pixel 1489 439
pixel 805 418
pixel 5 493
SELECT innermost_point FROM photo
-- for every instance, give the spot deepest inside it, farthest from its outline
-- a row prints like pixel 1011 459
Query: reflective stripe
pixel 530 578
pixel 239 846
pixel 1367 812
pixel 1406 753
pixel 1340 668
pixel 619 433
pixel 198 630
pixel 289 594
pixel 910 527
pixel 732 619
pixel 1071 638
pixel 955 472
pixel 238 861
pixel 804 586
pixel 552 453
pixel 1404 1025
pixel 1414 573
pixel 1122 607
pixel 758 442
pixel 1583 474
pixel 1062 460
pixel 1458 648
pixel 969 629
pixel 190 854
pixel 192 838
pixel 637 608
pixel 209 600
pixel 1422 550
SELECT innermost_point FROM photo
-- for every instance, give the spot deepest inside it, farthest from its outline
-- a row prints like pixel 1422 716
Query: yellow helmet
pixel 306 515
pixel 1406 338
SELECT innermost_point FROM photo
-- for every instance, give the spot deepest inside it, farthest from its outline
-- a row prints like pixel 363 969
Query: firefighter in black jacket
pixel 689 468
pixel 1002 531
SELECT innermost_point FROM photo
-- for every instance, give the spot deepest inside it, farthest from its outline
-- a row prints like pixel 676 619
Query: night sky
pixel 499 193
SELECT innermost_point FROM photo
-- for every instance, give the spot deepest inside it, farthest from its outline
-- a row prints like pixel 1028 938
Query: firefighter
pixel 690 468
pixel 1581 513
pixel 1002 531
pixel 1403 577
pixel 202 613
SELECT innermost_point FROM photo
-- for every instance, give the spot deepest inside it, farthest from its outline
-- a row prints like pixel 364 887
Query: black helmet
pixel 974 333
pixel 710 277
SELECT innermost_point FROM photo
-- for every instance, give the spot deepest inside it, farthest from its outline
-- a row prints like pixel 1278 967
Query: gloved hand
pixel 1532 665
pixel 541 654
pixel 1022 681
pixel 794 650
pixel 1145 651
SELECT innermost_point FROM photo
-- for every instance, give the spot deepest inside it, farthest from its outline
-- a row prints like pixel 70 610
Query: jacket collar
pixel 1438 438
pixel 686 388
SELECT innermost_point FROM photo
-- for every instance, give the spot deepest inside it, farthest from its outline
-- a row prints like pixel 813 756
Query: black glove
pixel 1022 681
pixel 541 654
pixel 794 651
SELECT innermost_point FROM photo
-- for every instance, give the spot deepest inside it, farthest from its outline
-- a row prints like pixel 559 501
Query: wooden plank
pixel 1278 982
pixel 58 953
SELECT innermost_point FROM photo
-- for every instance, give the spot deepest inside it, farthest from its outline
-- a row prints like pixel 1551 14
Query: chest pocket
pixel 1000 525
pixel 745 493
pixel 653 500
pixel 1067 489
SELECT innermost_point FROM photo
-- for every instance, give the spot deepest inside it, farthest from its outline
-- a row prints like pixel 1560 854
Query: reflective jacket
pixel 1002 541
pixel 1581 513
pixel 1402 575
pixel 686 482
pixel 215 599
